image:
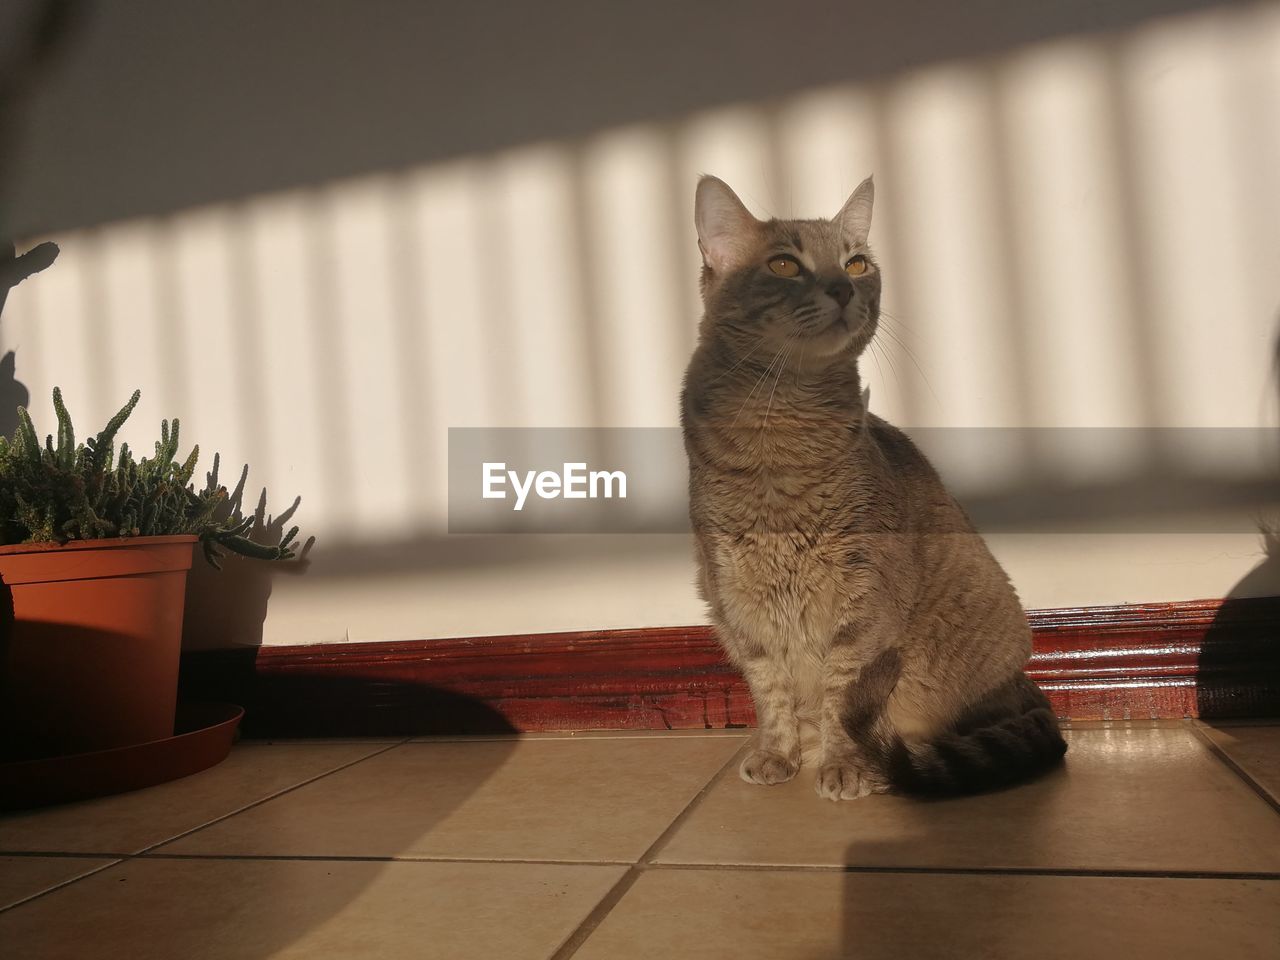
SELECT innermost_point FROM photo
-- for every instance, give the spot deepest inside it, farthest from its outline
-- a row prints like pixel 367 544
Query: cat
pixel 877 633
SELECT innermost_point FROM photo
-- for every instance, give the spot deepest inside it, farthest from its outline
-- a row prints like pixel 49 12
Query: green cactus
pixel 61 491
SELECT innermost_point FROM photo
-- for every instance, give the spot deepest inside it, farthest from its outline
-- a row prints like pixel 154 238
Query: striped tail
pixel 1011 737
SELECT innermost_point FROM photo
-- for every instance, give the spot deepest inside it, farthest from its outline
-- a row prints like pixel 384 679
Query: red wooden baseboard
pixel 1208 658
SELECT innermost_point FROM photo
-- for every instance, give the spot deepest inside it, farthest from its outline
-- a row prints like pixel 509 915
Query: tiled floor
pixel 1158 840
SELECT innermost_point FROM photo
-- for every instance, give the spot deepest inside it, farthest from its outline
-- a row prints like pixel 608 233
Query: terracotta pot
pixel 94 634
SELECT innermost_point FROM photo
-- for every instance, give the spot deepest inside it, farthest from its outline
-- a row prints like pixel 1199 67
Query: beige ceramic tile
pixel 1150 798
pixel 130 822
pixel 155 909
pixel 520 800
pixel 787 915
pixel 22 877
pixel 1254 749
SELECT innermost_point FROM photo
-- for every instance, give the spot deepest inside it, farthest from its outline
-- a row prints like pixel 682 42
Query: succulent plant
pixel 60 491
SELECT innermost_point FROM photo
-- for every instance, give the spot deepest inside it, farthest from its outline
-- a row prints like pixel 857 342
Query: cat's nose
pixel 841 291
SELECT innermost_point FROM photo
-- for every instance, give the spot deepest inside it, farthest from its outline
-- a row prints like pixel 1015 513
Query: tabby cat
pixel 880 638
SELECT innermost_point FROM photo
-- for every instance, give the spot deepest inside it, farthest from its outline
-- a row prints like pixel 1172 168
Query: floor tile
pixel 129 822
pixel 22 877
pixel 788 915
pixel 599 800
pixel 154 909
pixel 1254 749
pixel 1144 798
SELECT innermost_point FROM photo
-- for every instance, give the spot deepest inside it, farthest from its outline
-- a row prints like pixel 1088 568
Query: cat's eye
pixel 785 266
pixel 856 266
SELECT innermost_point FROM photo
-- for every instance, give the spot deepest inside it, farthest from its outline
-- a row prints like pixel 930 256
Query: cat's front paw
pixel 845 781
pixel 767 767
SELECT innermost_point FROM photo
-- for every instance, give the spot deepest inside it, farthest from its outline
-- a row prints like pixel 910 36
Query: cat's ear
pixel 854 218
pixel 725 226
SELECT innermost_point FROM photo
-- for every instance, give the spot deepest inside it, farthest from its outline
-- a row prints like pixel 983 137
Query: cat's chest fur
pixel 779 557
pixel 780 584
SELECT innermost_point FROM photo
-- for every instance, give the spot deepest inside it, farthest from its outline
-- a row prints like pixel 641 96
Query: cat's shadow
pixel 896 901
pixel 1239 670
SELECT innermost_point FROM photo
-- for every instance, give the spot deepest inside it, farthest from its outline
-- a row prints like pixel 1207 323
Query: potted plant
pixel 95 547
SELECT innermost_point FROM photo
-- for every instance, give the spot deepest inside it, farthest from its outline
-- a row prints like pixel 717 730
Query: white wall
pixel 1078 232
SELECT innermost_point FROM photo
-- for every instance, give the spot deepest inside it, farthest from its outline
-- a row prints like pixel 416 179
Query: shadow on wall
pixel 32 38
pixel 365 361
pixel 13 270
pixel 26 51
pixel 400 89
pixel 1242 645
pixel 377 366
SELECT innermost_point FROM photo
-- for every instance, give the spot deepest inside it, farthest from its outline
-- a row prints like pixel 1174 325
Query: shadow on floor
pixel 320 894
pixel 309 706
pixel 879 888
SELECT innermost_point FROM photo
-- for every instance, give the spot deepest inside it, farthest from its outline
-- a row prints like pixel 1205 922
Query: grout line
pixel 1082 872
pixel 1198 732
pixel 647 865
pixel 66 854
pixel 619 890
pixel 357 858
pixel 58 886
pixel 597 914
pixel 335 857
pixel 273 796
pixel 656 847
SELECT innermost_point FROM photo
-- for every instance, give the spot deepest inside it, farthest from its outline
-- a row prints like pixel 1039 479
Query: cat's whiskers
pixel 899 322
pixel 767 370
pixel 758 344
pixel 796 316
pixel 781 369
pixel 893 367
pixel 875 358
pixel 890 332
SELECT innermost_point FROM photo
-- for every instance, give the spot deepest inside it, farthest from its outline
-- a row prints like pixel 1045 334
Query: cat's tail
pixel 1013 738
